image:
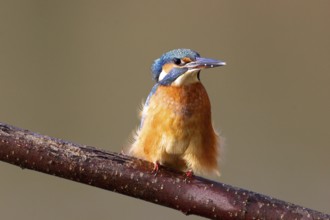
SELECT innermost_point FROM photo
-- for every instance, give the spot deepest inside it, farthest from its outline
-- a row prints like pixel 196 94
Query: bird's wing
pixel 146 104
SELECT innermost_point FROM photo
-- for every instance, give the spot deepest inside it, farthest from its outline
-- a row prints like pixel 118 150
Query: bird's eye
pixel 177 61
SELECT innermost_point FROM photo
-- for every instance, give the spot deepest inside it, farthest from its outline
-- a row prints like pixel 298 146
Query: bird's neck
pixel 192 97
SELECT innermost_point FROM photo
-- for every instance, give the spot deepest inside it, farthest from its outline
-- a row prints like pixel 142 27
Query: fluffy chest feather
pixel 181 102
pixel 177 116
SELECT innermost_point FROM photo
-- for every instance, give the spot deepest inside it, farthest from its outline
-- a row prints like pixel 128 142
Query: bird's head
pixel 181 67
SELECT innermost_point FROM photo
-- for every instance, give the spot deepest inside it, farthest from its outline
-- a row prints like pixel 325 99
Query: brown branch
pixel 133 177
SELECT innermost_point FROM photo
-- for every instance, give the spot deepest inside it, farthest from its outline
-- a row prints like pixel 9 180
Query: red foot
pixel 189 174
pixel 156 168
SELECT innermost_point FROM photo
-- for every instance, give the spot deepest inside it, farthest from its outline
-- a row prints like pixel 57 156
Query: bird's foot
pixel 188 175
pixel 155 169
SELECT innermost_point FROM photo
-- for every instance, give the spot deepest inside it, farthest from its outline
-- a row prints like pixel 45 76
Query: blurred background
pixel 78 70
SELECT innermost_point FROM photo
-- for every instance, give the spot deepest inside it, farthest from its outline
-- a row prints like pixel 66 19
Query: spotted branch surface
pixel 133 177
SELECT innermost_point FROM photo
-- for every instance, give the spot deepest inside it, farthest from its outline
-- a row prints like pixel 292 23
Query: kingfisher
pixel 176 127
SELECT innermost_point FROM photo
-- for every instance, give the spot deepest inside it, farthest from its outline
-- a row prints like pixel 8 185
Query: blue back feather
pixel 152 92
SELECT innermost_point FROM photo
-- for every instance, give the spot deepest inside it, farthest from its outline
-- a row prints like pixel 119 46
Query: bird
pixel 176 128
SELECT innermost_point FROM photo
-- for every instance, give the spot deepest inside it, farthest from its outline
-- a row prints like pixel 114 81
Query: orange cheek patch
pixel 167 67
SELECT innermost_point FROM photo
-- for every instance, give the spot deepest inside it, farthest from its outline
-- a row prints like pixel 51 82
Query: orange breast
pixel 177 121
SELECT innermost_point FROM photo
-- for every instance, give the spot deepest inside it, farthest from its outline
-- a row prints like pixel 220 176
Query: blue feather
pixel 152 92
pixel 172 76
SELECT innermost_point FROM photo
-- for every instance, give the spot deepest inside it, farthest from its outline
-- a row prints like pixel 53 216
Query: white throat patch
pixel 162 75
pixel 189 77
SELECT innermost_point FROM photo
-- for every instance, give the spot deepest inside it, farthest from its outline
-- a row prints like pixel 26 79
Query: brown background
pixel 78 70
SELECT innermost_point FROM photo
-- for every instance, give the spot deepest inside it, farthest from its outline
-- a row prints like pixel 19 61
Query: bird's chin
pixel 189 77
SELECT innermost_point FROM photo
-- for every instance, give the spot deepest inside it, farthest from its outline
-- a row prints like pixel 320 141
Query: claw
pixel 188 176
pixel 155 169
